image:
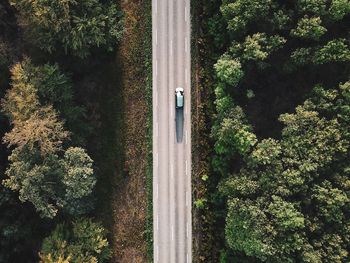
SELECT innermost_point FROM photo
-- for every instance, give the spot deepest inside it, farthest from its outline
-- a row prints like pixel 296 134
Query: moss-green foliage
pixel 293 194
pixel 339 9
pixel 45 170
pixel 261 28
pixel 229 70
pixel 257 47
pixel 240 14
pixel 309 28
pixel 233 135
pixel 82 241
pixel 41 169
pixel 337 50
pixel 51 182
pixel 286 183
pixel 75 26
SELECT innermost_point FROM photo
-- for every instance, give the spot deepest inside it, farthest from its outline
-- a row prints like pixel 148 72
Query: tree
pixel 78 181
pixel 78 242
pixel 287 191
pixel 21 229
pixel 290 200
pixel 50 182
pixel 41 167
pixel 21 101
pixel 75 26
pixel 46 85
pixel 229 70
pixel 42 130
pixel 233 136
pixel 278 49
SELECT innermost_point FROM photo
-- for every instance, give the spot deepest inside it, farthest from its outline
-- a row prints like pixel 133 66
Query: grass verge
pixel 130 197
pixel 205 246
pixel 126 134
pixel 149 167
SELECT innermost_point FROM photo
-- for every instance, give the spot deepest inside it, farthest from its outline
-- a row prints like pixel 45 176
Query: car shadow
pixel 179 120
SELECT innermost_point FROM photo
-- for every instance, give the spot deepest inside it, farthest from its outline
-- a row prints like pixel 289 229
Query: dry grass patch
pixel 130 198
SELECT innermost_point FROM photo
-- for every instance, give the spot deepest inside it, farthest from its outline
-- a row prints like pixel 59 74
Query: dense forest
pixel 271 173
pixel 281 131
pixel 52 57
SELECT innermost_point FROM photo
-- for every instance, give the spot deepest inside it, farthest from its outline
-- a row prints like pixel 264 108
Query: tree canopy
pixel 42 169
pixel 46 177
pixel 51 182
pixel 292 197
pixel 45 85
pixel 81 241
pixel 287 183
pixel 75 26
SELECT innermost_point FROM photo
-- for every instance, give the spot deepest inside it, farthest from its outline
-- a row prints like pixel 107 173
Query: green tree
pixel 233 136
pixel 309 28
pixel 286 182
pixel 229 70
pixel 241 13
pixel 41 169
pixel 290 200
pixel 51 182
pixel 77 26
pixel 21 229
pixel 82 241
pixel 271 38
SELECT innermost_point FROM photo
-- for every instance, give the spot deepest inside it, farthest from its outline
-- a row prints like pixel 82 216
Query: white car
pixel 179 97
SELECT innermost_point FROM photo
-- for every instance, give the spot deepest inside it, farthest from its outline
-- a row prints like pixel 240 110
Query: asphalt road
pixel 171 160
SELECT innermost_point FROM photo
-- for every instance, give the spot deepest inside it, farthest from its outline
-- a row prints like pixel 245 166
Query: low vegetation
pixel 206 239
pixel 130 197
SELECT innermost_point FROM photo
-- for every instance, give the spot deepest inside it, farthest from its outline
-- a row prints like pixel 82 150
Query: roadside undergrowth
pixel 131 222
pixel 205 248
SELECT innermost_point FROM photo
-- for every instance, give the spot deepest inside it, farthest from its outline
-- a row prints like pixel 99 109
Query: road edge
pixel 149 168
pixel 203 219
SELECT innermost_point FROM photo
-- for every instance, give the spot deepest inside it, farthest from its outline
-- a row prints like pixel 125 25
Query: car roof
pixel 179 100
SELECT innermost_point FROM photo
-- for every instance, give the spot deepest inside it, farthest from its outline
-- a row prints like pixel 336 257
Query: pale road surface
pixel 171 160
